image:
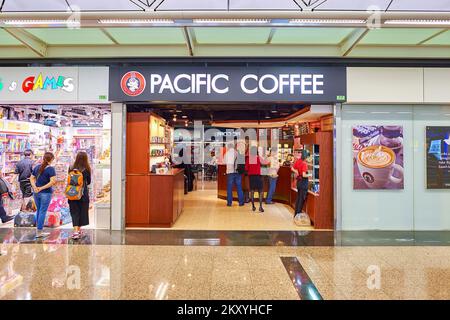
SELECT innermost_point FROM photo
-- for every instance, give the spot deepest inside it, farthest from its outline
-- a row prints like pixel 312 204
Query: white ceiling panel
pixel 174 5
pixel 105 5
pixel 343 5
pixel 29 5
pixel 264 5
pixel 420 5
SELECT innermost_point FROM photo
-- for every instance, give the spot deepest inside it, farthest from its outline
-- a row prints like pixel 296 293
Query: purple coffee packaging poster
pixel 438 160
pixel 378 157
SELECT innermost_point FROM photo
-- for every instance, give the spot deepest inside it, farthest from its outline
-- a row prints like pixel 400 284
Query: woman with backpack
pixel 77 193
pixel 42 180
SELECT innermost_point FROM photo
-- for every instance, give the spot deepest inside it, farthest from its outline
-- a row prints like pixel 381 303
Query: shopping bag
pixel 52 219
pixel 25 219
pixel 65 216
pixel 302 220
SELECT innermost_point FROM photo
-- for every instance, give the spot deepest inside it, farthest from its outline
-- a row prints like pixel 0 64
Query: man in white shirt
pixel 233 177
pixel 274 166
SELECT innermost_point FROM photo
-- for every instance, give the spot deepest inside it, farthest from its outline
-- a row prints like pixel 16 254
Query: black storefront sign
pixel 231 84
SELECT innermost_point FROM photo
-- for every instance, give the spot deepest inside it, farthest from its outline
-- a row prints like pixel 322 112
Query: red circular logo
pixel 132 83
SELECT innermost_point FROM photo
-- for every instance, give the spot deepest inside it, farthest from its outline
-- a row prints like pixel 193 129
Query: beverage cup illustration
pixel 377 165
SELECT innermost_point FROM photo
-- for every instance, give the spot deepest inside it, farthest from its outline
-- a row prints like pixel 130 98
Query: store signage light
pixel 249 83
pixel 315 84
pixel 33 83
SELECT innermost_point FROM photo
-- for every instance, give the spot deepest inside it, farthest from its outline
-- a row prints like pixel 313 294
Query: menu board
pixel 287 133
pixel 438 161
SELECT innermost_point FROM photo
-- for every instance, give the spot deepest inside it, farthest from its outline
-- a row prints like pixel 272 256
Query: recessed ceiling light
pixel 327 21
pixel 417 22
pixel 136 21
pixel 184 116
pixel 39 22
pixel 231 21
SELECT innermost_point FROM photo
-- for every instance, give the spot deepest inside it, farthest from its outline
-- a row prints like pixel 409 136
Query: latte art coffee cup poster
pixel 378 157
pixel 438 158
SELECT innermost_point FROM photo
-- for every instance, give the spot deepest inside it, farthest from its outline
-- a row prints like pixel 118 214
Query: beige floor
pixel 204 211
pixel 50 271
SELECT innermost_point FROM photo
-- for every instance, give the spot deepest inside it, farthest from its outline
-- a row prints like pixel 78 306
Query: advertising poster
pixel 438 161
pixel 378 157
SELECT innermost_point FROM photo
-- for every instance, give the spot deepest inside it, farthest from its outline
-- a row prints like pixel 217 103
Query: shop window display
pixel 63 130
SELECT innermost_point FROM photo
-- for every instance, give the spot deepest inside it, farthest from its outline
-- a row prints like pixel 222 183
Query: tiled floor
pixel 204 211
pixel 61 271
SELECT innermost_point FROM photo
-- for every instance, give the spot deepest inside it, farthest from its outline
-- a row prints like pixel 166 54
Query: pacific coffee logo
pixel 132 83
pixel 368 177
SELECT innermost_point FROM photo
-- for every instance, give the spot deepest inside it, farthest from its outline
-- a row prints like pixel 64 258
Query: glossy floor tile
pixel 204 211
pixel 64 271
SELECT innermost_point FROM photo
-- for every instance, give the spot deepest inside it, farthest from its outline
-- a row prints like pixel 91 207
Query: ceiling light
pixel 184 116
pixel 274 111
pixel 136 21
pixel 415 22
pixel 231 21
pixel 327 21
pixel 38 22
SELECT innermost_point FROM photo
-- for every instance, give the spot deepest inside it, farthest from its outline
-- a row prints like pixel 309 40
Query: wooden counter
pixel 154 200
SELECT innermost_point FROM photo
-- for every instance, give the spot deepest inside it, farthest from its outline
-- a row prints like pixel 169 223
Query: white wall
pixel 376 209
pixel 117 166
pixel 396 96
pixel 385 85
pixel 431 207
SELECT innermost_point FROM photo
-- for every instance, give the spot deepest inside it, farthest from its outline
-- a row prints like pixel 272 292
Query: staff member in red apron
pixel 300 168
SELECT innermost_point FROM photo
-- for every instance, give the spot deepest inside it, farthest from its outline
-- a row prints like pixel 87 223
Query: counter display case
pixel 152 200
pixel 319 204
pixel 314 167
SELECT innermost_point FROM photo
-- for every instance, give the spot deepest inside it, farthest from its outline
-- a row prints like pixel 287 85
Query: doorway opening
pixel 163 139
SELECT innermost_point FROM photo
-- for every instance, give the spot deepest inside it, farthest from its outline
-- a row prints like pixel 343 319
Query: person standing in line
pixel 79 209
pixel 24 169
pixel 274 166
pixel 289 160
pixel 42 179
pixel 233 177
pixel 253 167
pixel 300 168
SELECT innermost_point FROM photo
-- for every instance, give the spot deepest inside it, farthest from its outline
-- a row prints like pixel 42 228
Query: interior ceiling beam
pixel 34 44
pixel 364 51
pixel 271 34
pixel 245 14
pixel 432 36
pixel 263 50
pixel 109 36
pixel 189 42
pixel 352 41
